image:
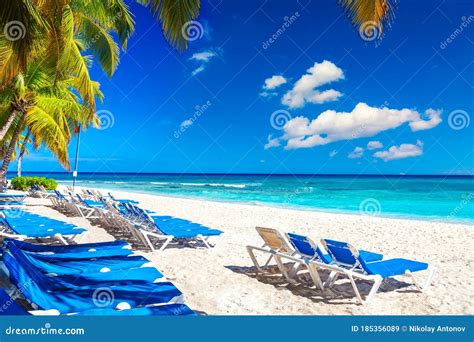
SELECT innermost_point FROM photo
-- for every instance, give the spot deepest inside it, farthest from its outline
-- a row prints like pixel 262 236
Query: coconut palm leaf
pixel 371 17
pixel 173 15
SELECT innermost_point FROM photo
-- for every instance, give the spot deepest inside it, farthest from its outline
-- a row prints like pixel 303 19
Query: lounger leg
pixel 268 260
pixel 294 270
pixel 282 269
pixel 148 242
pixel 331 279
pixel 61 238
pixel 254 259
pixel 356 290
pixel 166 243
pixel 429 279
pixel 204 240
pixel 377 282
pixel 313 272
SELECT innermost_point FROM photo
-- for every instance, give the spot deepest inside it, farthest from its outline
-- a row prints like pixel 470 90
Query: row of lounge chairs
pixel 336 257
pixel 87 279
pixel 145 227
pixel 21 224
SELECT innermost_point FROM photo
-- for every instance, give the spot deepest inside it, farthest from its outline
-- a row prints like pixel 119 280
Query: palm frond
pixel 173 16
pixel 366 15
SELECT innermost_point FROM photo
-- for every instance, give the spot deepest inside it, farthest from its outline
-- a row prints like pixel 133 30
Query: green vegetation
pixel 24 183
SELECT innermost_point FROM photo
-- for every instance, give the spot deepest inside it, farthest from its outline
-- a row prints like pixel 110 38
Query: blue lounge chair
pixel 11 198
pixel 43 294
pixel 28 225
pixel 167 228
pixel 122 201
pixel 9 307
pixel 354 264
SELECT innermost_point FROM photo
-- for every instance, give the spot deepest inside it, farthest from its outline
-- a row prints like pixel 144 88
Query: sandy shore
pixel 222 281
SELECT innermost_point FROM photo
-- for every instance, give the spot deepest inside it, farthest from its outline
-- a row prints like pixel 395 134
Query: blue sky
pixel 207 110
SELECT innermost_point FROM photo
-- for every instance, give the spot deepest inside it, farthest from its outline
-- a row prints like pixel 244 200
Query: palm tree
pixel 47 108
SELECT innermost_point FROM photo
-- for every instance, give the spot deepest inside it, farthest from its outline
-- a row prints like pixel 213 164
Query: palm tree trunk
pixel 8 124
pixel 11 148
pixel 22 152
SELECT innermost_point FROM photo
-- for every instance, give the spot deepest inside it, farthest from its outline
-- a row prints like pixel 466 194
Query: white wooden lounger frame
pixel 354 272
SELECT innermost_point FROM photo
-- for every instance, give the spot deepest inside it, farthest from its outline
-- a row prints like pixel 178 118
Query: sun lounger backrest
pixel 307 247
pixel 342 252
pixel 274 239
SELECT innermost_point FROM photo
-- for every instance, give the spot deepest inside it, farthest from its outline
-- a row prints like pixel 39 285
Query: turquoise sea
pixel 428 197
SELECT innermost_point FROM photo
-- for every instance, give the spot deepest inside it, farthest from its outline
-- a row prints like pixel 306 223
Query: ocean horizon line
pixel 245 174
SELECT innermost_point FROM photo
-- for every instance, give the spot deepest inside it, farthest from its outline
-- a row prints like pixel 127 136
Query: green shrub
pixel 24 183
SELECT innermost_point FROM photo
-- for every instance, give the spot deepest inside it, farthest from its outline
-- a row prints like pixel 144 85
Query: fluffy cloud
pixel 357 153
pixel 305 89
pixel 401 152
pixel 374 145
pixel 274 81
pixel 362 121
pixel 433 120
pixel 203 56
pixel 272 142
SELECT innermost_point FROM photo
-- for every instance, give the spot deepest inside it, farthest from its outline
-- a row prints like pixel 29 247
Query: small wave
pixel 225 185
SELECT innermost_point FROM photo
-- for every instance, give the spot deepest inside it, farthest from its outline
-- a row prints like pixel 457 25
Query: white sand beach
pixel 222 281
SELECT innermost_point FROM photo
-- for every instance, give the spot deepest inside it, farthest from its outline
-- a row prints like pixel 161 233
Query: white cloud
pixel 357 153
pixel 332 153
pixel 331 126
pixel 433 116
pixel 374 145
pixel 186 123
pixel 401 152
pixel 198 70
pixel 305 90
pixel 272 142
pixel 204 56
pixel 274 82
